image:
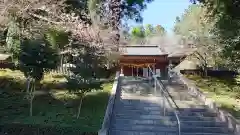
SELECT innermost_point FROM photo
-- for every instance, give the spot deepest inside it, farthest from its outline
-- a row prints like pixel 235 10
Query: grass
pixel 56 107
pixel 224 91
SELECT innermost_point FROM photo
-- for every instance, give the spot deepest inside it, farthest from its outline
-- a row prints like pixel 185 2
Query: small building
pixel 135 60
pixel 177 56
pixel 6 61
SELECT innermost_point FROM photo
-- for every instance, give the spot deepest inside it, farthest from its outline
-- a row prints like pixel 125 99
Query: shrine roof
pixel 4 56
pixel 142 50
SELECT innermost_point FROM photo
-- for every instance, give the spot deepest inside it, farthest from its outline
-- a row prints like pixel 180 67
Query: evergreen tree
pixel 35 57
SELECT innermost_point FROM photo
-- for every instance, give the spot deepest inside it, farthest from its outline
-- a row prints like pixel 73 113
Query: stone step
pixel 190 106
pixel 190 113
pixel 184 129
pixel 119 122
pixel 138 107
pixel 131 132
pixel 192 102
pixel 127 132
pixel 177 91
pixel 159 117
pixel 139 98
pixel 217 123
pixel 134 102
pixel 167 113
pixel 206 134
pixel 194 110
pixel 191 129
pixel 160 107
pixel 186 97
pixel 136 96
pixel 145 128
pixel 139 112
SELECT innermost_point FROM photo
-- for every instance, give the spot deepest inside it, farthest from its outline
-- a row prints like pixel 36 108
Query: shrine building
pixel 135 60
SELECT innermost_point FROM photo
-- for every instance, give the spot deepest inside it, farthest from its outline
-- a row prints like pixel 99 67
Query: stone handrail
pixel 224 116
pixel 108 114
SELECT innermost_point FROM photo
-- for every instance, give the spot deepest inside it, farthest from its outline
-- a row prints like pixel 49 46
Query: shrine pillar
pixel 121 71
pixel 132 70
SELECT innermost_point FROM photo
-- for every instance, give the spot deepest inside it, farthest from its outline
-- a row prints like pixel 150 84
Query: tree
pixel 35 57
pixel 138 35
pixel 88 62
pixel 129 9
pixel 225 13
pixel 159 30
pixel 81 86
pixel 13 38
pixel 59 39
pixel 145 35
pixel 37 16
pixel 149 30
pixel 193 29
pixel 85 19
pixel 149 33
pixel 138 31
pixel 125 32
pixel 178 19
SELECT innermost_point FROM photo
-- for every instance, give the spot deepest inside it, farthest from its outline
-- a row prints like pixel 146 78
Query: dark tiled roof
pixel 145 50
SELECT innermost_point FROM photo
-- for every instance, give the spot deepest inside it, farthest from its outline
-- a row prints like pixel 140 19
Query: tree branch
pixel 44 18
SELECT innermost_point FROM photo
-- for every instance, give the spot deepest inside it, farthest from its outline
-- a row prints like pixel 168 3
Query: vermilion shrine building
pixel 134 60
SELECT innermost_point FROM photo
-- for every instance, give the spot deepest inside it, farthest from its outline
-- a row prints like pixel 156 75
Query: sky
pixel 164 12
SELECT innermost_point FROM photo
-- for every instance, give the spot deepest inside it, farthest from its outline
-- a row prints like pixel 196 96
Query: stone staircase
pixel 138 110
pixel 196 118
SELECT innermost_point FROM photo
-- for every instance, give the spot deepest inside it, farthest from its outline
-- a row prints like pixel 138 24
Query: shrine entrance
pixel 141 70
pixel 136 60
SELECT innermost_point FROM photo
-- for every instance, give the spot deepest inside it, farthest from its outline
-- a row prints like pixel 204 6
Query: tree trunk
pixel 31 106
pixel 31 98
pixel 205 70
pixel 80 105
pixel 61 64
pixel 28 85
